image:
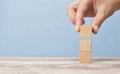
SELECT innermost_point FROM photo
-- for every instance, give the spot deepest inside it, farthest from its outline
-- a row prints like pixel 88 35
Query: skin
pixel 99 9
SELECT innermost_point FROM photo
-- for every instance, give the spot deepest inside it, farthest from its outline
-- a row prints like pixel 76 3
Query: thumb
pixel 98 20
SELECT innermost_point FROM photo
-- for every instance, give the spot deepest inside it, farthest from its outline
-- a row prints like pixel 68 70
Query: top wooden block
pixel 86 32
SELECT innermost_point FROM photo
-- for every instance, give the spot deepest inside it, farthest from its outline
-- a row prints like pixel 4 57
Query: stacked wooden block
pixel 86 45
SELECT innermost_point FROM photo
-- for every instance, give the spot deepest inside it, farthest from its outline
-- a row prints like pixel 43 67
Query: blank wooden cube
pixel 86 31
pixel 85 45
pixel 85 57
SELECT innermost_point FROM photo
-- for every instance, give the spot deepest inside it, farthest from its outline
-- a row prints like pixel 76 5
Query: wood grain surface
pixel 34 65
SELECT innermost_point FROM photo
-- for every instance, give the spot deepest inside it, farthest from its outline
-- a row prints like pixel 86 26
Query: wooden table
pixel 27 65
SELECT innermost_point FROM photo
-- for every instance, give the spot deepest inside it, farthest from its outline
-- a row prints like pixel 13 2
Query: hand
pixel 99 9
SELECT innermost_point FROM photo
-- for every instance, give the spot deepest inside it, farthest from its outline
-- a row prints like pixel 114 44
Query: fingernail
pixel 96 29
pixel 77 28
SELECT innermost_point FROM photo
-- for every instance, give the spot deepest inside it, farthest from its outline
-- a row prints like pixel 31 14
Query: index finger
pixel 82 9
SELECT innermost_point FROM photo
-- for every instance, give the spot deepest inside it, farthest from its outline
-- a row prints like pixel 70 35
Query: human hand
pixel 99 9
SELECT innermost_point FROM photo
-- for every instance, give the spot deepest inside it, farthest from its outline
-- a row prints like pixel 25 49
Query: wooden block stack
pixel 86 45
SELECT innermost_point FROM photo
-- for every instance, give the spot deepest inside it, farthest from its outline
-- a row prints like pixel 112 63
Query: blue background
pixel 42 28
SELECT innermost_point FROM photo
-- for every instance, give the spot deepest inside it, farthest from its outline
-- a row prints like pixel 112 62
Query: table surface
pixel 33 65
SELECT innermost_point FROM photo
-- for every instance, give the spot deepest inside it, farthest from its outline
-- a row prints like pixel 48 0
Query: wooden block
pixel 85 45
pixel 86 32
pixel 85 57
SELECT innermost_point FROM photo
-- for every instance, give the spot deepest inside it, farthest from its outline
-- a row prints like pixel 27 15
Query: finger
pixel 79 20
pixel 71 11
pixel 79 26
pixel 98 20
